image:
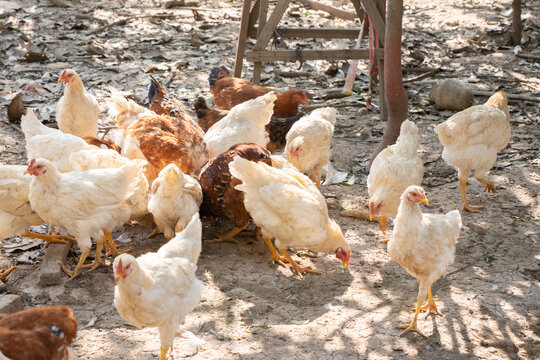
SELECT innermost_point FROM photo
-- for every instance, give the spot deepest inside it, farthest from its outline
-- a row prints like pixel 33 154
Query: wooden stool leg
pixel 242 37
pixel 382 96
pixel 257 67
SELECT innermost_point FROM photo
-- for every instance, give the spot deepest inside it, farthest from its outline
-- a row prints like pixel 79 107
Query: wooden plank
pixel 288 55
pixel 382 94
pixel 263 12
pixel 254 15
pixel 359 9
pixel 242 37
pixel 270 26
pixel 319 33
pixel 345 15
pixel 375 17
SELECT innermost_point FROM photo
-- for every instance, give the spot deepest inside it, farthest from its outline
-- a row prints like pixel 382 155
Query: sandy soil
pixel 252 309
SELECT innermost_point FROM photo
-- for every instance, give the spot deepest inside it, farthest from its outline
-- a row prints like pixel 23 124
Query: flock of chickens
pixel 166 169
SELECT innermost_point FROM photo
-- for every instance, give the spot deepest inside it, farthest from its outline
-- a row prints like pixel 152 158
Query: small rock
pixel 451 94
pixel 10 303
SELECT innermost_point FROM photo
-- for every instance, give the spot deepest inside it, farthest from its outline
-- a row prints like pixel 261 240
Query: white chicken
pixel 471 139
pixel 77 111
pixel 51 144
pixel 424 244
pixel 393 170
pixel 88 204
pixel 16 214
pixel 287 205
pixel 309 140
pixel 174 198
pixel 245 123
pixel 106 158
pixel 158 289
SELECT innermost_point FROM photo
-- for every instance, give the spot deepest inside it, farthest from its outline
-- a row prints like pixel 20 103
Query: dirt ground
pixel 252 309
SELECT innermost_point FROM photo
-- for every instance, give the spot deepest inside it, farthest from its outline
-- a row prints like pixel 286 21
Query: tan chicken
pixel 424 244
pixel 16 214
pixel 39 333
pixel 393 170
pixel 245 123
pixel 471 139
pixel 51 144
pixel 287 205
pixel 174 198
pixel 159 139
pixel 77 112
pixel 159 289
pixel 309 140
pixel 221 198
pixel 88 204
pixel 85 160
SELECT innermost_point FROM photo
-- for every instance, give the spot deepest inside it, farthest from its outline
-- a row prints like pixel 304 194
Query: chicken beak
pixel 61 79
pixel 116 278
pixel 27 171
pixel 425 201
pixel 345 264
pixel 370 216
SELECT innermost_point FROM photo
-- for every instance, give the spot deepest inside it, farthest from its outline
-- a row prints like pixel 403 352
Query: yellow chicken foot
pixel 466 206
pixel 276 256
pixel 75 272
pixel 97 259
pixel 382 226
pixel 430 306
pixel 3 273
pixel 490 187
pixel 412 326
pixel 163 354
pixel 229 237
pixel 297 267
pixel 155 232
pixel 58 239
pixel 113 251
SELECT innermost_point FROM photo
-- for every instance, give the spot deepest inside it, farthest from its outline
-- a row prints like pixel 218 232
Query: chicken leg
pixel 413 326
pixel 382 226
pixel 97 259
pixel 430 306
pixel 466 206
pixel 276 256
pixel 490 187
pixel 58 239
pixel 75 272
pixel 113 251
pixel 297 267
pixel 163 354
pixel 3 273
pixel 230 236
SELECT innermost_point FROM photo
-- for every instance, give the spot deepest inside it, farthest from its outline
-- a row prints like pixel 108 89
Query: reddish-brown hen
pixel 42 333
pixel 102 143
pixel 277 128
pixel 229 91
pixel 160 139
pixel 162 103
pixel 220 198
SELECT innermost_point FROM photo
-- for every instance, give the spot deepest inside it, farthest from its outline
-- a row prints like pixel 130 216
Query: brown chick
pixel 277 128
pixel 43 332
pixel 100 143
pixel 220 198
pixel 229 91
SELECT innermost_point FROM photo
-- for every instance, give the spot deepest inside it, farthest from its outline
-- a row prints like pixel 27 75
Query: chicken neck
pixel 74 87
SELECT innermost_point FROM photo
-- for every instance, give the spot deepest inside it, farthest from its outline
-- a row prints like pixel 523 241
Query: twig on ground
pixel 423 76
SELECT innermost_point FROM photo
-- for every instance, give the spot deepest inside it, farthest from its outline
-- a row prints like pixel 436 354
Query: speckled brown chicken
pixel 220 198
pixel 229 91
pixel 162 103
pixel 43 332
pixel 160 139
pixel 277 128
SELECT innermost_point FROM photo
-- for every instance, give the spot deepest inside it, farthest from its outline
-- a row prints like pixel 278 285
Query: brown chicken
pixel 102 143
pixel 162 103
pixel 41 333
pixel 206 116
pixel 220 198
pixel 159 139
pixel 277 128
pixel 229 91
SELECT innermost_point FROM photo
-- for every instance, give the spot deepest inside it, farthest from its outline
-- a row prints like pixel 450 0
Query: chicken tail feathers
pixel 132 171
pixel 243 169
pixel 31 126
pixel 155 90
pixel 200 104
pixel 187 243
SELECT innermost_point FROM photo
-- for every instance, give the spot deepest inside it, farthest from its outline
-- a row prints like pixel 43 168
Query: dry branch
pixel 361 214
pixel 528 56
pixel 345 15
pixel 423 76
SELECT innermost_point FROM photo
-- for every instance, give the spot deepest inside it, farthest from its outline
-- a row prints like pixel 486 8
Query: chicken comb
pixel 63 73
pixel 32 162
pixel 119 266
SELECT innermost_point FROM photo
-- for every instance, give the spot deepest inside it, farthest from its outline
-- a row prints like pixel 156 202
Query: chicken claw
pixel 3 273
pixel 471 208
pixel 490 186
pixel 113 251
pixel 228 237
pixel 154 232
pixel 163 354
pixel 466 206
pixel 413 326
pixel 77 271
pixel 431 307
pixel 298 268
pixel 58 239
pixel 97 260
